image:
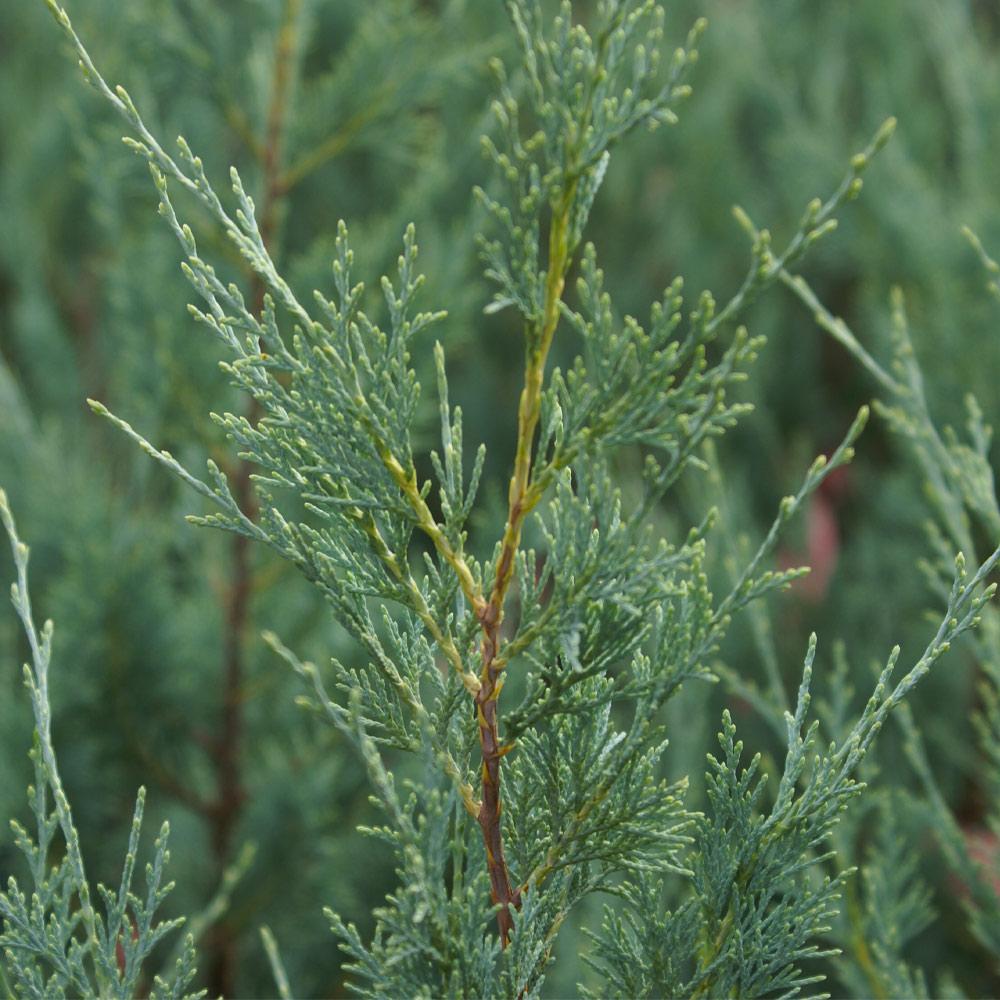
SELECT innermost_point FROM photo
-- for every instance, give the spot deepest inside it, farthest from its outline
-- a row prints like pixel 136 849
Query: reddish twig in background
pixel 225 812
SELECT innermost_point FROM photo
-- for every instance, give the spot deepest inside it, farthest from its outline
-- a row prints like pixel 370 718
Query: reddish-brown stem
pixel 227 808
pixel 492 752
pixel 522 498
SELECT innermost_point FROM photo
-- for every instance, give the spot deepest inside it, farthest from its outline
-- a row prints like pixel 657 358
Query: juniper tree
pixel 561 787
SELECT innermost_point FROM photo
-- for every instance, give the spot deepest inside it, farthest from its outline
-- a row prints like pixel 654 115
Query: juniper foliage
pixel 960 484
pixel 168 613
pixel 598 627
pixel 56 941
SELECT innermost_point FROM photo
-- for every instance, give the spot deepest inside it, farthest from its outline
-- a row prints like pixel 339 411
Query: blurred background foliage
pixel 379 125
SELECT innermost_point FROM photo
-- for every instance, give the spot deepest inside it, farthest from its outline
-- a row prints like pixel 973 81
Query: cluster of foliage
pixel 170 685
pixel 585 595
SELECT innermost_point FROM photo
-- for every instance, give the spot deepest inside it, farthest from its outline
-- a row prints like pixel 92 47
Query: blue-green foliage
pixel 55 941
pixel 148 631
pixel 610 614
pixel 758 908
pixel 960 485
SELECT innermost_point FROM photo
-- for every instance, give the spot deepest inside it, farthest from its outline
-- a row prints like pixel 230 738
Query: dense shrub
pixel 641 549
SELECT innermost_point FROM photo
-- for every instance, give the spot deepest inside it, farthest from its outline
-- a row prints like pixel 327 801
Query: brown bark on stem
pixel 522 499
pixel 227 809
pixel 491 808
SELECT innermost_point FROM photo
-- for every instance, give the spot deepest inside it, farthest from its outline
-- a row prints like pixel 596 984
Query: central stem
pixel 522 498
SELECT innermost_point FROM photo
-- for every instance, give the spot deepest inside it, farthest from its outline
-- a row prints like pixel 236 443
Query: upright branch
pixel 582 113
pixel 521 499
